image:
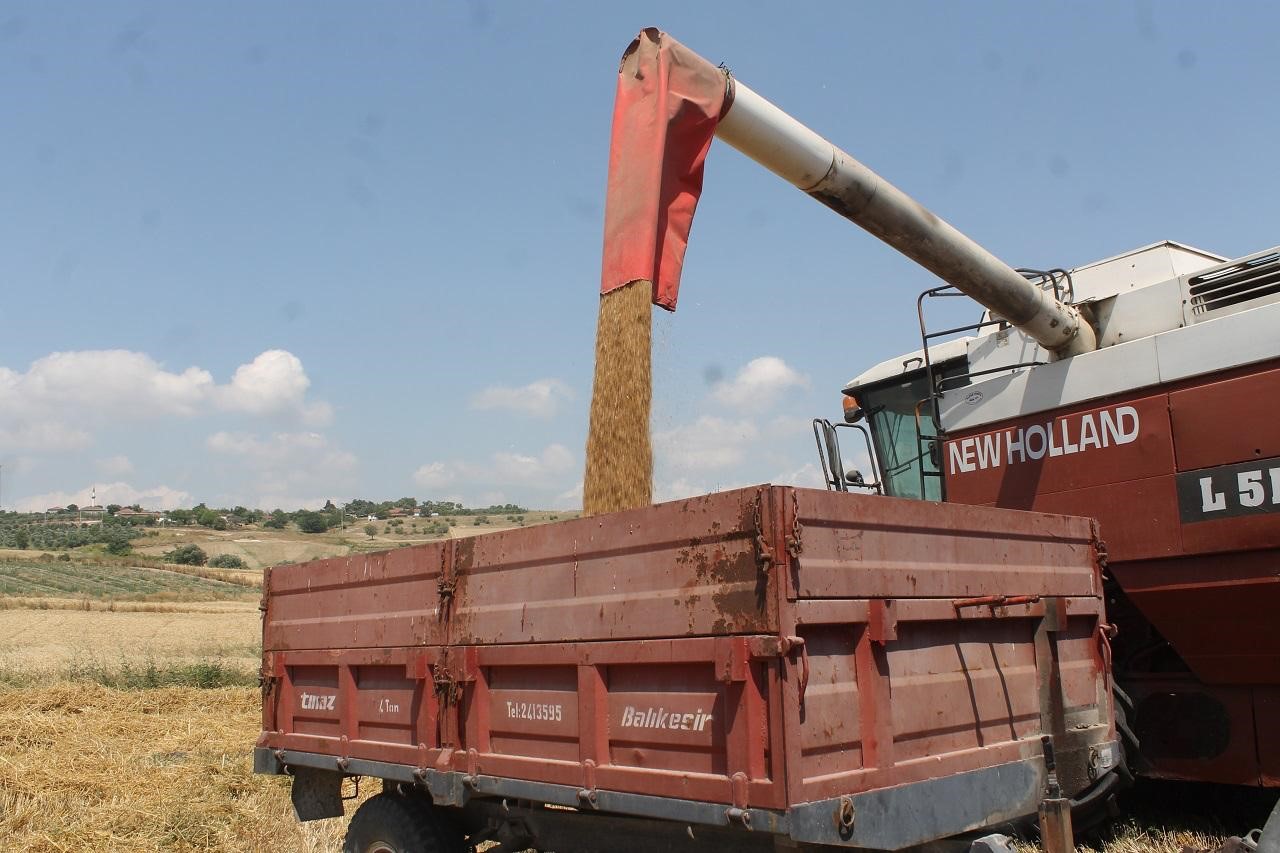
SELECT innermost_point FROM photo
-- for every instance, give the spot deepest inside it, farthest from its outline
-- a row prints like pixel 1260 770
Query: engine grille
pixel 1245 280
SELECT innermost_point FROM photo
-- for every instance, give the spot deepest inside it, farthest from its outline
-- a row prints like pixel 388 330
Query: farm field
pixel 44 644
pixel 76 579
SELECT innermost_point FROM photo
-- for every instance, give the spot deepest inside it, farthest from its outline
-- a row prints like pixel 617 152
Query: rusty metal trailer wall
pixel 761 649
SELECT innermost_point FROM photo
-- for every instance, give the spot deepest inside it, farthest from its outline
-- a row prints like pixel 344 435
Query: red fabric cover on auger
pixel 664 117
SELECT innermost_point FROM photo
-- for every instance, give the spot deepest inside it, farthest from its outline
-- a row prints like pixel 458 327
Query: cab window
pixel 907 463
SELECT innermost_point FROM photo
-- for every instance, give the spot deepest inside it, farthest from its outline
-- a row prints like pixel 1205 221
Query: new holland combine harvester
pixel 777 668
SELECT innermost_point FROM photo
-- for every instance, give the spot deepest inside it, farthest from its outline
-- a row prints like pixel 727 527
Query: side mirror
pixel 854 477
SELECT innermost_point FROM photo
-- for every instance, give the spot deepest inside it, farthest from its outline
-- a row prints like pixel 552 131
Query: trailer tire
pixel 389 823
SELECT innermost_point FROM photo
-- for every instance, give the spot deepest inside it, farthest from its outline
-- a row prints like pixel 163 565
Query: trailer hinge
pixel 448 690
pixel 795 544
pixel 446 588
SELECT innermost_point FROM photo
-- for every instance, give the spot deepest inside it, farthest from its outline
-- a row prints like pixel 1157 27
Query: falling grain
pixel 619 471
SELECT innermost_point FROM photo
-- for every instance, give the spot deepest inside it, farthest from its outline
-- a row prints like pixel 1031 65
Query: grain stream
pixel 619 473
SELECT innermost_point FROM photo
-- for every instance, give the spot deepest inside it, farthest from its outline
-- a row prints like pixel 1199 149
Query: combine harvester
pixel 769 668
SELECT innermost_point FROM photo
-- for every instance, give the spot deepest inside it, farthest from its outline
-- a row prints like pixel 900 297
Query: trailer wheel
pixel 389 823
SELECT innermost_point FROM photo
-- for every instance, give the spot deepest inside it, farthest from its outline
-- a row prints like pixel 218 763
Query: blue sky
pixel 274 253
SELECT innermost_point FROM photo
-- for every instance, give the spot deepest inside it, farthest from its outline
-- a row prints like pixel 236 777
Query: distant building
pixel 93 512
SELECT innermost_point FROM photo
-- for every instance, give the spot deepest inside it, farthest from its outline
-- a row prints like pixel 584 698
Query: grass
pixel 135 675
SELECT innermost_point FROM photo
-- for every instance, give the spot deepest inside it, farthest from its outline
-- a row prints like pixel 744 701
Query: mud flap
pixel 1269 841
pixel 316 794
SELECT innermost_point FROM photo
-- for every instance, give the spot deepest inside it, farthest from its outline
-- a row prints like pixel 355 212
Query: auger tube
pixel 800 156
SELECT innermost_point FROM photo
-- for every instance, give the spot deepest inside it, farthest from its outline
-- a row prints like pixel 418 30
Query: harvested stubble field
pixel 87 768
pixel 43 643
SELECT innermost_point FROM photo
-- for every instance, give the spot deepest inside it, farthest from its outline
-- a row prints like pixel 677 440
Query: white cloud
pixel 548 465
pixel 569 498
pixel 274 383
pixel 548 473
pixel 683 487
pixel 758 384
pixel 709 443
pixel 435 475
pixel 288 469
pixel 539 399
pixel 283 448
pixel 807 475
pixel 154 497
pixel 98 383
pixel 287 501
pixel 114 466
pixel 789 427
pixel 43 437
pixel 57 403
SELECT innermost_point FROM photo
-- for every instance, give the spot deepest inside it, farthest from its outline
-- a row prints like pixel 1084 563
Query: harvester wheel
pixel 391 823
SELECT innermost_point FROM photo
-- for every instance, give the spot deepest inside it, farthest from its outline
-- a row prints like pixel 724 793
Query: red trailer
pixel 764 667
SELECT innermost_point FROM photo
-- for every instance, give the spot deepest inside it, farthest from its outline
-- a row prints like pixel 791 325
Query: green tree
pixel 112 509
pixel 360 507
pixel 226 561
pixel 312 522
pixel 187 555
pixel 119 547
pixel 370 530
